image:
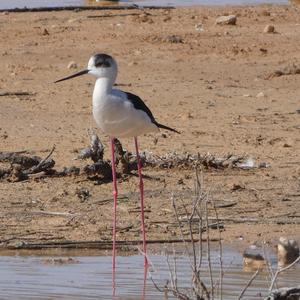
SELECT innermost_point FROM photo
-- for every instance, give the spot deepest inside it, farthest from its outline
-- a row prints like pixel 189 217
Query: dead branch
pixel 113 15
pixel 68 171
pixel 53 213
pixel 3 94
pixel 44 164
pixel 268 262
pixel 282 270
pixel 95 151
pixel 292 293
pixel 248 284
pixel 220 250
pixel 291 69
pixel 178 160
pixel 197 210
pixel 22 165
pixel 101 168
pixel 208 252
pixel 191 161
pixel 123 157
pixel 180 228
pixel 19 159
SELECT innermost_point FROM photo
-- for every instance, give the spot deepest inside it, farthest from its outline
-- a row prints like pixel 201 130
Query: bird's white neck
pixel 103 87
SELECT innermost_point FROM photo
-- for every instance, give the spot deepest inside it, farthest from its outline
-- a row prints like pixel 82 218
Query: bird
pixel 119 114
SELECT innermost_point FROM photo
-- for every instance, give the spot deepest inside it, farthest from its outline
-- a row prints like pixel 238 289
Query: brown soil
pixel 212 85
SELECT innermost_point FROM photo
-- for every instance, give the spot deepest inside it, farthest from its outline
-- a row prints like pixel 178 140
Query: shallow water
pixel 6 4
pixel 33 277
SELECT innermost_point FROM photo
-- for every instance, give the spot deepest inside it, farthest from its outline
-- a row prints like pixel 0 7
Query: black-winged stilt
pixel 119 114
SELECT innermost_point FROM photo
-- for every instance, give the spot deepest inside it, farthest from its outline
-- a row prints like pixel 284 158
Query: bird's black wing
pixel 139 104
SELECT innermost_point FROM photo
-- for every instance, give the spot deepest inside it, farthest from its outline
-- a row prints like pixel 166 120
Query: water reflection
pixel 90 277
pixel 143 290
pixel 145 281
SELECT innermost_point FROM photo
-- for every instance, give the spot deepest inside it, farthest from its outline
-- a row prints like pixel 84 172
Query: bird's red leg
pixel 142 199
pixel 115 194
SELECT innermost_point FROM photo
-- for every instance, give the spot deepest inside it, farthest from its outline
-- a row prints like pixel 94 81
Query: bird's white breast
pixel 116 115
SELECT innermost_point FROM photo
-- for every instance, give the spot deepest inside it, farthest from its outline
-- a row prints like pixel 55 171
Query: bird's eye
pixel 102 64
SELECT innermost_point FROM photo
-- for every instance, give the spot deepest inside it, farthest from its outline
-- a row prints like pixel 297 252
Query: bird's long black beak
pixel 74 75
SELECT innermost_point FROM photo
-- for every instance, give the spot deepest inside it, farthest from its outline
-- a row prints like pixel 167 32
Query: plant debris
pixel 291 69
pixel 22 166
pixel 188 160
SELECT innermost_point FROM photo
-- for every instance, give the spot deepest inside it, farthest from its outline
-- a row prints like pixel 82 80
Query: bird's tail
pixel 166 127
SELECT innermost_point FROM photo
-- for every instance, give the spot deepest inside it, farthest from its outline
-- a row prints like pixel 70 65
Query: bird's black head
pixel 102 60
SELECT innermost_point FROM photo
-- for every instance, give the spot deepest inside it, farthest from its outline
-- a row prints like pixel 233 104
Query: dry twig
pixel 3 94
pixel 282 270
pixel 248 284
pixel 198 210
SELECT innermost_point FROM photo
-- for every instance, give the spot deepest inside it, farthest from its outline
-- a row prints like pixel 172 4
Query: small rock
pixel 16 244
pixel 237 187
pixel 263 165
pixel 166 19
pixel 263 50
pixel 176 39
pixel 82 193
pixel 287 251
pixel 180 181
pixel 5 13
pixel 260 95
pixel 199 27
pixel 186 116
pixel 143 18
pixel 265 13
pixel 269 29
pixel 287 145
pixel 45 32
pixel 226 20
pixel 17 174
pixel 4 136
pixel 72 65
pixel 253 258
pixel 59 261
pixel 132 63
pixel 72 20
pixel 248 163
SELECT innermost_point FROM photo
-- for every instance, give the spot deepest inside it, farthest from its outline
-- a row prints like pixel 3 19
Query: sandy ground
pixel 210 84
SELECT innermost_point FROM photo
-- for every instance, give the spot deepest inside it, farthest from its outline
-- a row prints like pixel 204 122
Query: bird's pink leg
pixel 115 194
pixel 145 282
pixel 142 200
